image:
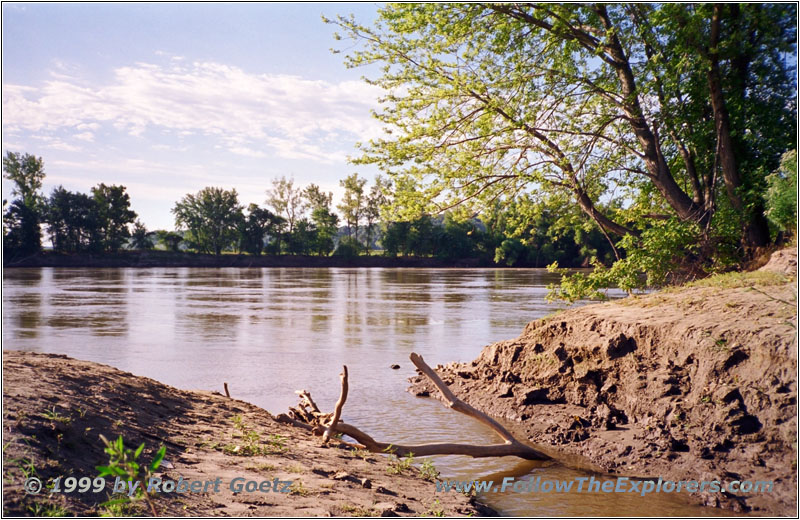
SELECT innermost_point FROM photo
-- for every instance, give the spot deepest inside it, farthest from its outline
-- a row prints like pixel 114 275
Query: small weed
pixel 261 467
pixel 357 510
pixel 54 416
pixel 276 443
pixel 398 465
pixel 251 444
pixel 362 454
pixel 721 344
pixel 122 463
pixel 40 509
pixel 296 469
pixel 297 488
pixel 436 509
pixel 428 471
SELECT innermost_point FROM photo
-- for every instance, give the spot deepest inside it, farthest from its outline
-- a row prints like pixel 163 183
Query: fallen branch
pixel 337 411
pixel 326 424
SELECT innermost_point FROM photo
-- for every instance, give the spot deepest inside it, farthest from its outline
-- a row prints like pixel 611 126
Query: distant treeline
pixel 297 221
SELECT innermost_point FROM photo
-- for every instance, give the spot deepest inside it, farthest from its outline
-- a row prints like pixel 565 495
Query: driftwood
pixel 307 415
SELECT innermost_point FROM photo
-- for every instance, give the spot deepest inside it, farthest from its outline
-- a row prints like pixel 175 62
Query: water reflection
pixel 272 331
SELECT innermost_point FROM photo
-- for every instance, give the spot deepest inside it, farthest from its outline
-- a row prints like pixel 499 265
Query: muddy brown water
pixel 269 332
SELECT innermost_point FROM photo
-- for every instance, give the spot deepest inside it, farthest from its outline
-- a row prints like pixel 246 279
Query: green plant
pixel 436 509
pixel 398 465
pixel 123 464
pixel 781 195
pixel 251 444
pixel 361 453
pixel 297 488
pixel 428 471
pixel 40 509
pixel 53 415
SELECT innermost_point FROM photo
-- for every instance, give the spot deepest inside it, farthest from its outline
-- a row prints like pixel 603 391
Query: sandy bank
pixel 697 383
pixel 55 408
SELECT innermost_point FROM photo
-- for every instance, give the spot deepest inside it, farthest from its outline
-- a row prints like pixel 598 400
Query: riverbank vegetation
pixel 650 142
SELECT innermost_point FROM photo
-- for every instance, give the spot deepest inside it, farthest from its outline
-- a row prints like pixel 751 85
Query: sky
pixel 167 99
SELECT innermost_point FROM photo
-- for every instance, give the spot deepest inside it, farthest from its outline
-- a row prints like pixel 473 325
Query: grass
pixel 251 443
pixel 735 280
pixel 435 509
pixel 398 465
pixel 297 488
pixel 357 510
pixel 428 471
pixel 40 509
pixel 54 416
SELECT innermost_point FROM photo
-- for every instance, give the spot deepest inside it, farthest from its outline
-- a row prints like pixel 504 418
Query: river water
pixel 269 332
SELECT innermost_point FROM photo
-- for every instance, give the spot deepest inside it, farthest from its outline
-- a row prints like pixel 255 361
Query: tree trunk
pixel 756 232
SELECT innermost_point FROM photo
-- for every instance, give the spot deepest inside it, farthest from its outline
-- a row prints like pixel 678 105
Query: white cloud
pixel 85 136
pixel 250 114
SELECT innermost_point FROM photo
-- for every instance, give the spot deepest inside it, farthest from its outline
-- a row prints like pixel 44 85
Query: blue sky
pixel 169 98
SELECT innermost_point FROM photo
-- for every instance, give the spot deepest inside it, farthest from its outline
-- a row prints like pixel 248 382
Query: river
pixel 269 332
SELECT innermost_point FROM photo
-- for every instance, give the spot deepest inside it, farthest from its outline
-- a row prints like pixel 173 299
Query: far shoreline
pixel 150 259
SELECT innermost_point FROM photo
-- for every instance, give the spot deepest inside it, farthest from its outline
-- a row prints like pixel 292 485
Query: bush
pixel 781 201
pixel 348 247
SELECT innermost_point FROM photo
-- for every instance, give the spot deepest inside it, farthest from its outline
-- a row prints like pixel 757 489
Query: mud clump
pixel 697 383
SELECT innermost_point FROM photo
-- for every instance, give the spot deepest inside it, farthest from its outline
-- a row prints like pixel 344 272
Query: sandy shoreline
pixel 56 407
pixel 688 384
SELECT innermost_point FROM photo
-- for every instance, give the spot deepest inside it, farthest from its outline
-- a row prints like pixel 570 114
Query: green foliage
pixel 638 116
pixel 287 200
pixel 256 226
pixel 212 217
pixel 348 247
pixel 398 465
pixel 27 173
pixel 73 222
pixel 122 463
pixel 123 460
pixel 140 237
pixel 781 196
pixel 249 441
pixel 301 240
pixel 21 233
pixel 510 251
pixel 649 262
pixel 170 240
pixel 47 509
pixel 745 279
pixel 114 215
pixel 353 202
pixel 326 223
pixel 428 471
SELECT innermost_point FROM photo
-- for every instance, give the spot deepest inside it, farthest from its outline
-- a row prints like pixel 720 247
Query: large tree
pixel 21 232
pixel 378 198
pixel 353 202
pixel 259 224
pixel 211 216
pixel 72 221
pixel 287 200
pixel 645 116
pixel 114 215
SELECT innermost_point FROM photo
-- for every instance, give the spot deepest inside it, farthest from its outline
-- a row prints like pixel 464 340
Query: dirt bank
pixel 698 383
pixel 55 408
